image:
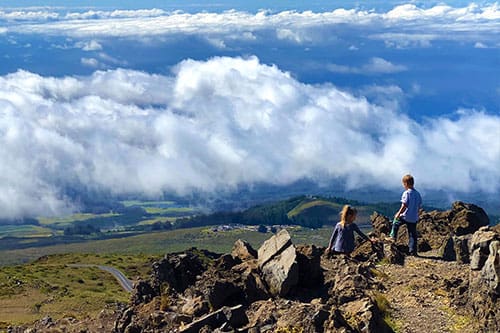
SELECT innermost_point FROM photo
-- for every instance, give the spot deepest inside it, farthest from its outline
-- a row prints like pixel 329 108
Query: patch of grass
pixel 385 308
pixel 379 274
pixel 440 292
pixel 48 286
pixel 384 262
pixel 169 210
pixel 460 322
pixel 67 220
pixel 381 301
pixel 24 230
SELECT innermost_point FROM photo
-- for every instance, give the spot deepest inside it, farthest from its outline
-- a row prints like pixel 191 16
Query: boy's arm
pixel 404 205
pixel 401 210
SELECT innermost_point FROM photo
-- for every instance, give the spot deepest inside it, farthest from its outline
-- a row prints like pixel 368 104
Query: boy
pixel 411 202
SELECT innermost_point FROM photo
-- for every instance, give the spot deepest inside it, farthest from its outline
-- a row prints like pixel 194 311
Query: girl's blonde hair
pixel 347 211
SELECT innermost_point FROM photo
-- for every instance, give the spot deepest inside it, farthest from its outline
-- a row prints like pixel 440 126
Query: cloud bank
pixel 215 124
pixel 400 27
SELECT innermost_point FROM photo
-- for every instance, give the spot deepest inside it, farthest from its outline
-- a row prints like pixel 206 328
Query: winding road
pixel 119 276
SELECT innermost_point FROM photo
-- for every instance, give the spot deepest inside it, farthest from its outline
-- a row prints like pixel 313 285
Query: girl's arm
pixel 359 232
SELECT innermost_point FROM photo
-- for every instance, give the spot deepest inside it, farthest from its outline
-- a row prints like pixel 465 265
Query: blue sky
pixel 157 97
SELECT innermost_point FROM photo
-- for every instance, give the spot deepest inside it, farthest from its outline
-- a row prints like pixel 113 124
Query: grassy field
pixel 67 220
pixel 164 242
pixel 48 286
pixel 25 230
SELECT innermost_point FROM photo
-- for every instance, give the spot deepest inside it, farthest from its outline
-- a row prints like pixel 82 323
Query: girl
pixel 342 240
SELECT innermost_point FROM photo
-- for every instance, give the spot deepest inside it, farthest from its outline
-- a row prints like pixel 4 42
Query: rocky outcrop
pixel 481 293
pixel 435 228
pixel 284 287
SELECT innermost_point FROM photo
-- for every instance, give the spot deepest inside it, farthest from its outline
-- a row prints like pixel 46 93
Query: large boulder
pixel 281 273
pixel 273 246
pixel 484 280
pixel 479 246
pixel 277 260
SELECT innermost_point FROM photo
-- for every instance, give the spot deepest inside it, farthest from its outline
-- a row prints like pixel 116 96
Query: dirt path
pixel 418 297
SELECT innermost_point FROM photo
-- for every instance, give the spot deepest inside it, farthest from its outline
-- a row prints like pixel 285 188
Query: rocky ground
pixel 419 298
pixel 452 286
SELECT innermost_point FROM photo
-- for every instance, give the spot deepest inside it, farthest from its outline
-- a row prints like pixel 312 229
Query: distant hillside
pixel 306 211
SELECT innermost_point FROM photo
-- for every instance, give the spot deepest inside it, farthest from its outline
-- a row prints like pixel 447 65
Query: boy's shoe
pixel 413 254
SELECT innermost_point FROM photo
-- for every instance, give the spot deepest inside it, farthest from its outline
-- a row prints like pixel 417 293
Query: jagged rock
pixel 336 323
pixel 281 273
pixel 381 224
pixel 179 271
pixel 368 251
pixel 483 289
pixel 233 315
pixel 364 316
pixel 347 280
pixel 273 246
pixel 393 254
pixel 124 320
pixel 227 261
pixel 309 266
pixel 447 250
pixel 222 291
pixel 490 272
pixel 479 246
pixel 253 286
pixel 243 250
pixel 467 218
pixel 195 306
pixel 461 246
pixel 142 292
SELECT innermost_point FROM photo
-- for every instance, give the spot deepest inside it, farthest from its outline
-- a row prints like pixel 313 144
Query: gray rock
pixel 281 273
pixel 490 272
pixel 479 246
pixel 461 246
pixel 447 250
pixel 393 255
pixel 273 246
pixel 243 250
pixel 233 315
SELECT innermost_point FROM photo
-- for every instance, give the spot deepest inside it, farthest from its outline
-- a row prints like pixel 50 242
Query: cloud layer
pixel 402 26
pixel 215 124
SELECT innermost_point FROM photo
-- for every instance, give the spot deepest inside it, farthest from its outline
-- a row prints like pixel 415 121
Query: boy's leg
pixel 412 236
pixel 395 229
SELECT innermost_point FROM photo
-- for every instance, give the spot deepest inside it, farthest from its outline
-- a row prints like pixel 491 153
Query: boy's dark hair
pixel 408 180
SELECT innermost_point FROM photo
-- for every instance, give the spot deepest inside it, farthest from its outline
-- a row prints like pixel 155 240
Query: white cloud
pixel 399 26
pixel 90 62
pixel 480 45
pixel 375 65
pixel 379 65
pixel 91 45
pixel 219 123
